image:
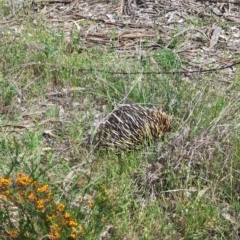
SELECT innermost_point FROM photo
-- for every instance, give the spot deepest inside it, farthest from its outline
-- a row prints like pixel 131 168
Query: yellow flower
pixel 54 234
pixel 12 233
pixel 51 218
pixel 80 228
pixel 40 204
pixel 77 231
pixel 73 236
pixel 4 183
pixel 5 194
pixel 103 188
pixel 44 188
pixel 90 204
pixel 67 216
pixel 49 194
pixel 23 180
pixel 72 223
pixel 32 197
pixel 60 208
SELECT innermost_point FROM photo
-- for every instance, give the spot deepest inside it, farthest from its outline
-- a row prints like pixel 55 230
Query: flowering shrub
pixel 29 211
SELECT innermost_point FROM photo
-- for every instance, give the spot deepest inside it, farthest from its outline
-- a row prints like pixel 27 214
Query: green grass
pixel 186 187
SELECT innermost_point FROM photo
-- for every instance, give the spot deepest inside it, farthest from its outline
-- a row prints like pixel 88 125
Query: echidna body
pixel 131 125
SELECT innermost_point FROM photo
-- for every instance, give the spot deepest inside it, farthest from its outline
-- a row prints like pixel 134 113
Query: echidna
pixel 131 125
